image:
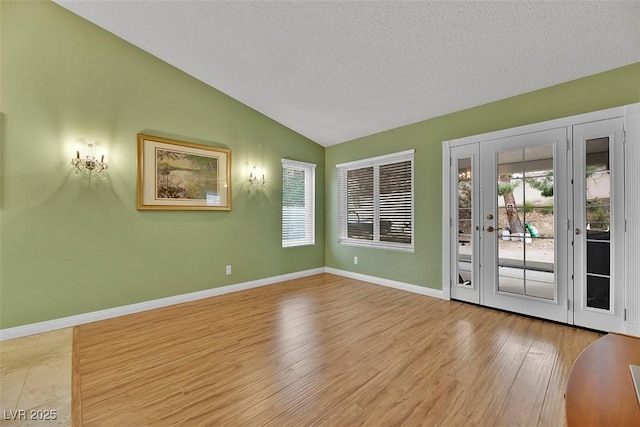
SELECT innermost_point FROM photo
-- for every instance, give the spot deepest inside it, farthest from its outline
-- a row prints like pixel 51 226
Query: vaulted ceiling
pixel 339 70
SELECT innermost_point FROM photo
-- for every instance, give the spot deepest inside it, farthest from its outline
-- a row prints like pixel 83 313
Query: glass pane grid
pixel 597 225
pixel 464 247
pixel 526 222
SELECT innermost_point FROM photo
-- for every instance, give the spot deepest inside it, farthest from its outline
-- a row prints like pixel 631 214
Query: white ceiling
pixel 338 70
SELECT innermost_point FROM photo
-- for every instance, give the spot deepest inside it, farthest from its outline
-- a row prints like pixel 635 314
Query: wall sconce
pixel 254 178
pixel 89 164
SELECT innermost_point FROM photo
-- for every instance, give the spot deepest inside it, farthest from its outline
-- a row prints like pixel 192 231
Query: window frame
pixel 309 170
pixel 375 162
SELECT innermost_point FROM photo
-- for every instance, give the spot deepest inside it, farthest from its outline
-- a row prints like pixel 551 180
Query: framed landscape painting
pixel 178 175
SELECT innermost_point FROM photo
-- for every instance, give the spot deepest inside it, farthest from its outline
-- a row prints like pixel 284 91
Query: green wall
pixel 423 267
pixel 71 246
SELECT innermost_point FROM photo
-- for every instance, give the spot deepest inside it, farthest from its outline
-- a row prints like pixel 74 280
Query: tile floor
pixel 35 377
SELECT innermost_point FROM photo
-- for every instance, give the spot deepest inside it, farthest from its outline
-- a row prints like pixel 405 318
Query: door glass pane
pixel 510 232
pixel 598 292
pixel 598 220
pixel 465 222
pixel 539 221
pixel 526 222
pixel 598 260
pixel 598 223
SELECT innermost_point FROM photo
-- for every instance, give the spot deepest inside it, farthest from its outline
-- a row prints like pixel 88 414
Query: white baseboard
pixel 422 290
pixel 66 322
pixel 632 329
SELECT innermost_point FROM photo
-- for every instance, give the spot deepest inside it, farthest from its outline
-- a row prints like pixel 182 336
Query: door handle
pixel 577 231
pixel 490 229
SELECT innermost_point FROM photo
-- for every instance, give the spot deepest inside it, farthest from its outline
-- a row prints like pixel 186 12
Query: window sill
pixel 377 245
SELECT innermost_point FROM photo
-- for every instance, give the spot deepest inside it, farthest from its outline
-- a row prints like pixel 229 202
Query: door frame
pixel 565 122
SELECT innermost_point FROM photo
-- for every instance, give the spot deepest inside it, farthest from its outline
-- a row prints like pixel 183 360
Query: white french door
pixel 465 205
pixel 537 224
pixel 598 229
pixel 525 189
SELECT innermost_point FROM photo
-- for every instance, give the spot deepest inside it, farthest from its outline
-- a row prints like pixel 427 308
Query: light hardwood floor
pixel 323 350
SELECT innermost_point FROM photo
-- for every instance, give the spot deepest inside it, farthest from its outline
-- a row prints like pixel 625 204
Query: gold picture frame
pixel 179 175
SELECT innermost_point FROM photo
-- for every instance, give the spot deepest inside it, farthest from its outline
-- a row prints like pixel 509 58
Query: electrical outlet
pixel 228 270
pixel 355 260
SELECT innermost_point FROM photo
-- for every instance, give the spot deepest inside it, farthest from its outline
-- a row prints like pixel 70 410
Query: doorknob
pixel 577 231
pixel 489 216
pixel 490 229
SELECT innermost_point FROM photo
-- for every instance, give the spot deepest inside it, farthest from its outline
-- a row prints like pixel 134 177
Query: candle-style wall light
pixel 89 164
pixel 256 178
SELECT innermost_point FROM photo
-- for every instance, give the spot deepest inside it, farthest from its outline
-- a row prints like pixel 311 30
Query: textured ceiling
pixel 338 70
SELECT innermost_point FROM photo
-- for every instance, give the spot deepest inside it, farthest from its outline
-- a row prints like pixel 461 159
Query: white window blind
pixel 298 203
pixel 375 202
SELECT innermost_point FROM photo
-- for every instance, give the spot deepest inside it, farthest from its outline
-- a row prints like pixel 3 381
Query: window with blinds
pixel 298 203
pixel 375 202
